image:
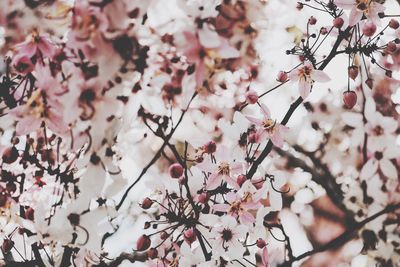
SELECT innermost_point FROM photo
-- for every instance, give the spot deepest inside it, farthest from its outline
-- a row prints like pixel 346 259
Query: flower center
pixel 36 104
pixel 362 5
pixel 223 168
pixel 378 130
pixel 235 207
pixel 226 234
pixel 269 125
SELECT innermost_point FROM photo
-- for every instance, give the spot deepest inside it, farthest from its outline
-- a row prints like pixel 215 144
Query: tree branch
pixel 346 236
pixel 296 104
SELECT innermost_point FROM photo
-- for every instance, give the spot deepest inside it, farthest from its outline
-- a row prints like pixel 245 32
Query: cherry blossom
pixel 268 128
pixel 306 75
pixel 370 9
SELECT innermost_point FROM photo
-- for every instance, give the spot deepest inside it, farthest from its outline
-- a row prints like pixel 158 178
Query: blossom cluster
pixel 156 113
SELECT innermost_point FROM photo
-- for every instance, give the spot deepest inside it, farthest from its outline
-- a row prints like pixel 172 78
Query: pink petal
pixel 221 207
pixel 265 257
pixel 27 49
pixel 27 125
pixel 254 120
pixel 265 111
pixel 46 47
pixel 304 88
pixel 277 140
pixel 200 73
pixel 319 76
pixel 346 4
pixel 355 16
pixel 213 181
pixel 247 217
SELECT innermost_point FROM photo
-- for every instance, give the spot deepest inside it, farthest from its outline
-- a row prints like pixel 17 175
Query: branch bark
pixel 345 237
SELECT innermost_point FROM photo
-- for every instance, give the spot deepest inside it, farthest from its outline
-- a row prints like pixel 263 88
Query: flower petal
pixel 369 169
pixel 388 169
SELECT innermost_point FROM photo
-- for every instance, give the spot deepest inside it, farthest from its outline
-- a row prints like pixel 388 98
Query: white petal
pixel 209 38
pixel 353 119
pixel 388 169
pixel 369 169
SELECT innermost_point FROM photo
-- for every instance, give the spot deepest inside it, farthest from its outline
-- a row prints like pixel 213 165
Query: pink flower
pixel 268 128
pixel 224 169
pixel 307 75
pixel 206 44
pixel 369 8
pixel 37 110
pixel 36 45
pixel 236 208
pixel 42 106
pixel 240 203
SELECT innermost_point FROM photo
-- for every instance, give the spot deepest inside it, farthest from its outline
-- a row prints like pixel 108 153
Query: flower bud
pixel 146 204
pixel 152 253
pixel 261 243
pixel 143 243
pixel 189 236
pixel 282 77
pixel 312 20
pixel 323 30
pixel 349 99
pixel 338 22
pixel 394 24
pixel 175 170
pixel 353 72
pixel 370 83
pixel 163 235
pixel 29 214
pixel 203 198
pixel 391 47
pixel 10 155
pixel 241 179
pixel 8 244
pixel 369 29
pixel 210 147
pixel 251 97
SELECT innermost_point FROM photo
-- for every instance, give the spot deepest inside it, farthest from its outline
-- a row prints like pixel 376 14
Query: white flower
pixel 228 236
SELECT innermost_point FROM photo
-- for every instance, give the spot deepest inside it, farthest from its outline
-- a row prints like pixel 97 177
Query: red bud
pixel 353 72
pixel 10 155
pixel 349 99
pixel 394 24
pixel 261 243
pixel 369 29
pixel 146 204
pixel 143 243
pixel 251 97
pixel 338 23
pixel 175 170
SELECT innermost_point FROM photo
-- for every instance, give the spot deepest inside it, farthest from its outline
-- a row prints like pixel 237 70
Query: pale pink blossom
pixel 268 128
pixel 358 8
pixel 207 43
pixel 36 45
pixel 306 75
pixel 223 170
